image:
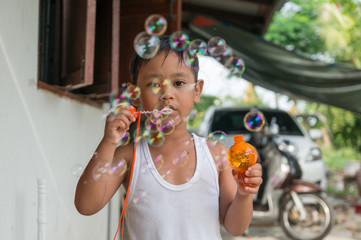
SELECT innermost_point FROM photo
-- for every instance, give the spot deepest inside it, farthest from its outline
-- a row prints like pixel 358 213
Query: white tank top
pixel 158 210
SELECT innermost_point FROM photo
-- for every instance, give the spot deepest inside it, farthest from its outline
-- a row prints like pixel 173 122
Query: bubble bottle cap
pixel 132 110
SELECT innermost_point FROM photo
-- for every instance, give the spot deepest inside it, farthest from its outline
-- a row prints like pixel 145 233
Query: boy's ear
pixel 198 90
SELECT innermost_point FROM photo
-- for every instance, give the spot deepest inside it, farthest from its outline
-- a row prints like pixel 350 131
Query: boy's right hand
pixel 118 124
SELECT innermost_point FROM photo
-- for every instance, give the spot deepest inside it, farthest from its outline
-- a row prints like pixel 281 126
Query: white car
pixel 230 121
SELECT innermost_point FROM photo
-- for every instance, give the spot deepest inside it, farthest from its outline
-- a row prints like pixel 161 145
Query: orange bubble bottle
pixel 241 156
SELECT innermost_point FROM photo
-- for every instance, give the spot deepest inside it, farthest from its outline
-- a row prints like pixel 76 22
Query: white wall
pixel 42 135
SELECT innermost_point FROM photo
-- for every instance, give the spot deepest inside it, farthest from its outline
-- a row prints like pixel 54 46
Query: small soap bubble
pixel 152 126
pixel 118 96
pixel 216 46
pixel 190 141
pixel 155 25
pixel 236 67
pixel 192 117
pixel 156 139
pixel 161 86
pixel 77 170
pixel 190 174
pixel 217 137
pixel 165 173
pixel 179 41
pixel 221 160
pixel 133 92
pixel 140 197
pixel 197 47
pixel 143 133
pixel 100 171
pixel 146 46
pixel 145 168
pixel 158 162
pixel 118 167
pixel 116 109
pixel 124 140
pixel 94 155
pixel 180 158
pixel 225 58
pixel 254 120
pixel 167 127
pixel 191 60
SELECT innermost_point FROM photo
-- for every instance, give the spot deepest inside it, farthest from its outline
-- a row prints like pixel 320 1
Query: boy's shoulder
pixel 125 151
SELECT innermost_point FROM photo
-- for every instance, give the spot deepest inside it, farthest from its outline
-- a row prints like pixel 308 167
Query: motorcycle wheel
pixel 318 221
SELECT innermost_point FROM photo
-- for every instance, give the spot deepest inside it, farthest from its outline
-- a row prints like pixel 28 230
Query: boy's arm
pixel 236 203
pixel 93 193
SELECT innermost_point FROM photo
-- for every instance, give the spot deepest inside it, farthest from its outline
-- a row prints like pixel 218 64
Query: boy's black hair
pixel 137 62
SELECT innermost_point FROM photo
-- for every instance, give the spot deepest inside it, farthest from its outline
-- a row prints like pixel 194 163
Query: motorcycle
pixel 299 206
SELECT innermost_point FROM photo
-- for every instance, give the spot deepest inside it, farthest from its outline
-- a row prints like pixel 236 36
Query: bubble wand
pixel 136 114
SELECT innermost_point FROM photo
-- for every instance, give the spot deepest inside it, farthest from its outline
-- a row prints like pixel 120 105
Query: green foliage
pixel 335 158
pixel 330 28
pixel 200 108
pixel 345 192
pixel 296 27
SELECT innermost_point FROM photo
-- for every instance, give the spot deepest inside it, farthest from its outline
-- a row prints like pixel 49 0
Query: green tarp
pixel 276 69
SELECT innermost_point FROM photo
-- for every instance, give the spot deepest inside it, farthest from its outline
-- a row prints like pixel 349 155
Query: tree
pixel 340 28
pixel 295 27
pixel 321 28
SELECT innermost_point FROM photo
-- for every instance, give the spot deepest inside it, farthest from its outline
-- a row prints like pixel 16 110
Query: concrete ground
pixel 347 225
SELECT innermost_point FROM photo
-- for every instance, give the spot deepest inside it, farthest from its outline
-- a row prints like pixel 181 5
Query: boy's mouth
pixel 169 109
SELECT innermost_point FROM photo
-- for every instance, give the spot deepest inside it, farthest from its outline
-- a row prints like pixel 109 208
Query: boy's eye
pixel 153 84
pixel 179 83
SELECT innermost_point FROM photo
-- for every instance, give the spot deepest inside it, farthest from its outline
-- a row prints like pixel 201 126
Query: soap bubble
pixel 146 46
pixel 197 47
pixel 100 171
pixel 118 167
pixel 77 170
pixel 156 139
pixel 225 58
pixel 216 46
pixel 155 25
pixel 221 159
pixel 94 155
pixel 152 126
pixel 191 60
pixel 254 120
pixel 217 137
pixel 158 162
pixel 140 197
pixel 167 127
pixel 192 117
pixel 161 86
pixel 191 173
pixel 119 96
pixel 236 67
pixel 179 41
pixel 180 158
pixel 124 140
pixel 133 92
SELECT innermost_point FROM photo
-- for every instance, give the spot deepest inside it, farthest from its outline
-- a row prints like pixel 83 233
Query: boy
pixel 183 201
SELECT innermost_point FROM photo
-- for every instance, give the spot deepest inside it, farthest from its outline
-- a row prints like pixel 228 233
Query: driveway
pixel 347 225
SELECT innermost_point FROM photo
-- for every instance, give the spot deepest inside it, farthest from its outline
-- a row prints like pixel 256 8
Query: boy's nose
pixel 167 95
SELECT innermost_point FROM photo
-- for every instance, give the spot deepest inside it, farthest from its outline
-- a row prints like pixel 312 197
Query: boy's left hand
pixel 251 182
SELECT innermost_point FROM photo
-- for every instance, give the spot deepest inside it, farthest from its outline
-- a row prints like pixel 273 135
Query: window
pixel 232 122
pixel 85 45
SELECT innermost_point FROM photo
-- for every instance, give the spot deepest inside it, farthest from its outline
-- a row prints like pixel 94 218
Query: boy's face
pixel 165 81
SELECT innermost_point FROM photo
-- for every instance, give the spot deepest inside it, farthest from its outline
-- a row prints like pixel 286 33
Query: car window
pixel 230 121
